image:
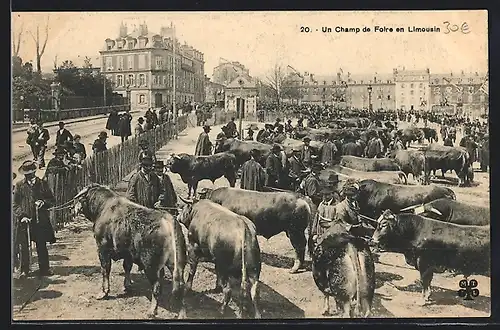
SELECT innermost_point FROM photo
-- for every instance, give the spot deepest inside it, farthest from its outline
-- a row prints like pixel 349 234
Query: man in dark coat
pixel 231 129
pixel 63 135
pixel 203 145
pixel 296 168
pixel 124 126
pixel 274 167
pixel 31 202
pixel 311 185
pixel 249 136
pixel 278 124
pixel 306 152
pixel 169 200
pixel 253 176
pixel 32 138
pixel 79 149
pixel 100 143
pixel 264 134
pixel 288 127
pixel 279 136
pixel 139 129
pixel 375 147
pixel 485 153
pixel 468 143
pixel 328 151
pixel 43 137
pixel 145 187
pixel 57 164
pixel 112 123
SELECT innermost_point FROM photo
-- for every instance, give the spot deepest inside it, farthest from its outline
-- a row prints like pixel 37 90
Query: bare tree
pixel 40 48
pixel 275 81
pixel 16 40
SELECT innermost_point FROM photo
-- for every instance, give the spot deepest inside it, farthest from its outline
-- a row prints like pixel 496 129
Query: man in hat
pixel 485 153
pixel 300 123
pixel 253 176
pixel 311 184
pixel 289 127
pixel 375 147
pixel 220 138
pixel 306 152
pixel 100 143
pixel 231 131
pixel 144 187
pixel 169 199
pixel 274 167
pixel 264 134
pixel 31 202
pixel 79 149
pixel 297 168
pixel 43 137
pixel 124 127
pixel 279 136
pixel 63 135
pixel 145 151
pixel 278 124
pixel 58 164
pixel 203 145
pixel 32 138
pixel 139 128
pixel 328 151
pixel 249 136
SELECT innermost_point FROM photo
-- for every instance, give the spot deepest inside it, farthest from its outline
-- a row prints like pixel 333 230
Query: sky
pixel 259 40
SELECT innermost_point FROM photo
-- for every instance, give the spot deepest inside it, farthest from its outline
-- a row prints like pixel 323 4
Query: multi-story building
pixel 214 93
pixel 227 71
pixel 461 93
pixel 412 89
pixel 244 88
pixel 140 64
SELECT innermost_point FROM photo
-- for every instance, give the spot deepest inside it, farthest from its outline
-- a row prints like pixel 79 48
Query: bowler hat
pixel 103 134
pixel 59 151
pixel 326 189
pixel 206 127
pixel 306 139
pixel 276 147
pixel 159 164
pixel 27 167
pixel 146 160
pixel 61 123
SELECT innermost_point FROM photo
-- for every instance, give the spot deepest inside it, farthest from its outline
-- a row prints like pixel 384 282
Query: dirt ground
pixel 70 293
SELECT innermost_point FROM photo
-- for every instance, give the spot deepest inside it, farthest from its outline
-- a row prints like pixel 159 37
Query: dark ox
pixel 193 169
pixel 430 134
pixel 411 162
pixel 445 158
pixel 433 245
pixel 453 211
pixel 375 197
pixel 369 164
pixel 229 240
pixel 343 267
pixel 272 213
pixel 411 134
pixel 125 230
pixel 397 177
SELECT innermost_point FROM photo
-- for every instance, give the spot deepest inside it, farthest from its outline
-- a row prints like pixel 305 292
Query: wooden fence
pixel 108 167
pixel 221 117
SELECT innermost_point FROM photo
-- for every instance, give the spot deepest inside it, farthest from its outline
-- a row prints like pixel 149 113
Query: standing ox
pixel 453 211
pixel 193 169
pixel 411 162
pixel 343 267
pixel 229 240
pixel 370 164
pixel 375 197
pixel 445 158
pixel 433 244
pixel 430 134
pixel 411 134
pixel 126 230
pixel 272 213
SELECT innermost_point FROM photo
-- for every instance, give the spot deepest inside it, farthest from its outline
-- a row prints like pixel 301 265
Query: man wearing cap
pixel 57 164
pixel 139 128
pixel 296 168
pixel 231 129
pixel 43 137
pixel 100 143
pixel 31 201
pixel 63 135
pixel 328 151
pixel 289 127
pixel 79 149
pixel 203 145
pixel 253 176
pixel 306 152
pixel 311 185
pixel 144 187
pixel 169 199
pixel 145 151
pixel 274 167
pixel 249 136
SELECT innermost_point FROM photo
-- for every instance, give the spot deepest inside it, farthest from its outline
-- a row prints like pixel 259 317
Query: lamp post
pixel 129 97
pixel 370 98
pixel 240 113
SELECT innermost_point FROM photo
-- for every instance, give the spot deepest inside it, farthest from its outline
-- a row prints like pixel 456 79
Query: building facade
pixel 242 87
pixel 140 64
pixel 412 89
pixel 214 92
pixel 227 71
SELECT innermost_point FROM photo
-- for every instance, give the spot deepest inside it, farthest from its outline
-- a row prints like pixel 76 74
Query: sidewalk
pixel 67 121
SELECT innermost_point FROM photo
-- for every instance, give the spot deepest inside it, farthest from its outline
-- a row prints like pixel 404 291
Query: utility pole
pixel 104 88
pixel 173 98
pixel 240 113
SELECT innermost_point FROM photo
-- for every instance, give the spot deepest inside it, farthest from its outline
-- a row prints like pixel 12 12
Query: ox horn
pixel 380 218
pixel 81 193
pixel 186 201
pixel 411 208
pixel 432 209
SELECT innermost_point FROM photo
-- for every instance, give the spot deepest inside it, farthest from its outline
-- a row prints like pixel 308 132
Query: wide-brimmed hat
pixel 103 134
pixel 276 147
pixel 306 139
pixel 206 127
pixel 326 189
pixel 159 164
pixel 61 123
pixel 146 160
pixel 59 151
pixel 27 167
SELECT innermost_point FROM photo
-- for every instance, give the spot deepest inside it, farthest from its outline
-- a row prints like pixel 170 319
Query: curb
pixel 70 121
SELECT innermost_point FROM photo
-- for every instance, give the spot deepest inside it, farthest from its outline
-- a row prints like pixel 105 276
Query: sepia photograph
pixel 250 165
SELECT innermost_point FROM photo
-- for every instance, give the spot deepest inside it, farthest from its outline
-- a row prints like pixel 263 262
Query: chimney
pixel 143 29
pixel 123 30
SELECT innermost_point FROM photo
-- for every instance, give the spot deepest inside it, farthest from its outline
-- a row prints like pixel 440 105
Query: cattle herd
pixel 419 219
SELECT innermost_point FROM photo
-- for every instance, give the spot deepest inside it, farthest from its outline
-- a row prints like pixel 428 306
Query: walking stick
pixel 29 242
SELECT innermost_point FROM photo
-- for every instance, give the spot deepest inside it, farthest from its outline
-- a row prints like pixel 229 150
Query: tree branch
pixel 46 36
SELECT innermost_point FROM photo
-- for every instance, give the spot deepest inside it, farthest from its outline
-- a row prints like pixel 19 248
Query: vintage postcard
pixel 272 165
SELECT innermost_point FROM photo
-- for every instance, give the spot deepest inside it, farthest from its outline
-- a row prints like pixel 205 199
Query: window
pixel 142 61
pixel 142 99
pixel 411 92
pixel 109 63
pixel 142 43
pixel 131 62
pixel 159 62
pixel 421 85
pixel 388 97
pixel 120 44
pixel 131 44
pixel 402 85
pixel 131 80
pixel 155 80
pixel 411 85
pixel 119 80
pixel 109 47
pixel 120 62
pixel 142 79
pixel 164 80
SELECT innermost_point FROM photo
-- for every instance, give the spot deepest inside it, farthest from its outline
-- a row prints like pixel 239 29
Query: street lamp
pixel 370 97
pixel 240 113
pixel 129 96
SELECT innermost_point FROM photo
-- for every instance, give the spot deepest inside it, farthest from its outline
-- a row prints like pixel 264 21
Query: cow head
pixel 387 229
pixel 184 216
pixel 178 163
pixel 89 201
